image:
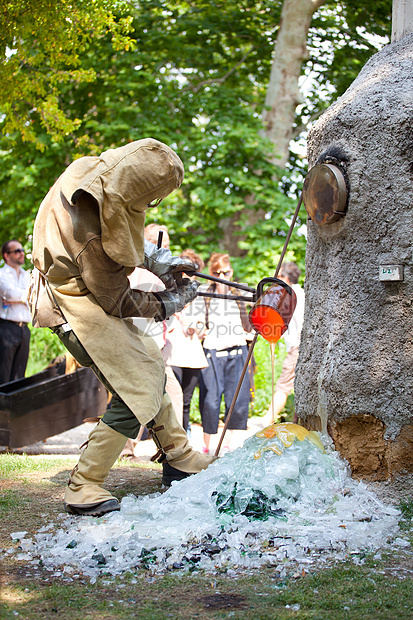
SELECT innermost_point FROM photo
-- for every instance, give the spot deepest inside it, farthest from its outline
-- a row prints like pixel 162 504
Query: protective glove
pixel 161 262
pixel 176 300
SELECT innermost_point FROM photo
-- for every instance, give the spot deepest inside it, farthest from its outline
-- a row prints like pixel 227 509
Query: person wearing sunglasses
pixel 14 313
pixel 88 238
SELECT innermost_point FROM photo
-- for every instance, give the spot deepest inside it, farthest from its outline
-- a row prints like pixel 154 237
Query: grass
pixel 31 497
pixel 14 465
pixel 349 592
pixel 406 507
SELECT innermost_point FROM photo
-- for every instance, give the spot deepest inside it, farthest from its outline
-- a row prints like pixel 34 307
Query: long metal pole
pixel 251 299
pixel 243 287
pixel 254 340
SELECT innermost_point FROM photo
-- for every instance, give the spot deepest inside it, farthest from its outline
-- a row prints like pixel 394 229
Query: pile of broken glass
pixel 282 499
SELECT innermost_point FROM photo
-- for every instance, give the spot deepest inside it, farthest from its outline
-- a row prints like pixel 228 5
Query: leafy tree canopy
pixel 193 75
pixel 41 43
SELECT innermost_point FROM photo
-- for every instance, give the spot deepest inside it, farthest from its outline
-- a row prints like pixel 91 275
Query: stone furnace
pixel 354 375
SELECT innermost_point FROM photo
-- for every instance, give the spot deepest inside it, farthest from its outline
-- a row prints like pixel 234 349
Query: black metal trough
pixel 46 404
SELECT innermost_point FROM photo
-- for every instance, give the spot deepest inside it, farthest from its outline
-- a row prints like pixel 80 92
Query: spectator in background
pixel 186 355
pixel 152 234
pixel 14 313
pixel 144 280
pixel 172 387
pixel 289 273
pixel 225 347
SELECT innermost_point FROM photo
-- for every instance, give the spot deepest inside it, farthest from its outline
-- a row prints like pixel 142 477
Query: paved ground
pixel 70 441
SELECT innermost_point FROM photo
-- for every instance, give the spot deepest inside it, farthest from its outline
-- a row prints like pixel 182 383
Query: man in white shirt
pixel 14 313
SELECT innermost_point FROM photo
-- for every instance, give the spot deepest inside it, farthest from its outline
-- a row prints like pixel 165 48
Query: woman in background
pixel 186 355
pixel 225 347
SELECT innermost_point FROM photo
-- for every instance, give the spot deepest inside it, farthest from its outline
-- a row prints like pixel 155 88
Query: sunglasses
pixel 221 273
pixel 18 251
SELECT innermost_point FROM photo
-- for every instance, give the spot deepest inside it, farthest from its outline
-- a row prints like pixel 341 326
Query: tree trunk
pixel 233 233
pixel 402 19
pixel 283 94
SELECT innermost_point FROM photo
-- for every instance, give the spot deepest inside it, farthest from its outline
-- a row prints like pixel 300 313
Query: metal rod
pixel 237 391
pixel 233 297
pixel 242 287
pixel 290 230
pixel 253 342
pixel 160 237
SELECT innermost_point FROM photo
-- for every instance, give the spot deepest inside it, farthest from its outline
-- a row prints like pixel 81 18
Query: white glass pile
pixel 289 510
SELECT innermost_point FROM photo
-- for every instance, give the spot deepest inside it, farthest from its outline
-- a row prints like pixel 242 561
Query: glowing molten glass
pixel 268 323
pixel 271 314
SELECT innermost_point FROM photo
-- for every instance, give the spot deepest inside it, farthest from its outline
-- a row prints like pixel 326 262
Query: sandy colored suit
pixel 88 237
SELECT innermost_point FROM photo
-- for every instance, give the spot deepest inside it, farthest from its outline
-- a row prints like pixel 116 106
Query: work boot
pixel 84 493
pixel 179 460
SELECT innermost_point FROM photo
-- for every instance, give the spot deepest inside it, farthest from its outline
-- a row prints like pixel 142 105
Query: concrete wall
pixel 354 374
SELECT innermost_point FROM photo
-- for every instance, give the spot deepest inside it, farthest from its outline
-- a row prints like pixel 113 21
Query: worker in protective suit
pixel 88 237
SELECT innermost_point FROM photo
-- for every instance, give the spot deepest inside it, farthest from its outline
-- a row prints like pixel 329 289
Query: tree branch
pixel 318 3
pixel 296 132
pixel 222 79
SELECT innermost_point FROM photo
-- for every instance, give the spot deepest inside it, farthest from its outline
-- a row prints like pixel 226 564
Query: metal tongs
pixel 242 287
pixel 198 274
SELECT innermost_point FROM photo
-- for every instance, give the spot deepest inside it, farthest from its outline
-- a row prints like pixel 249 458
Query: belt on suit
pixel 65 327
pixel 19 323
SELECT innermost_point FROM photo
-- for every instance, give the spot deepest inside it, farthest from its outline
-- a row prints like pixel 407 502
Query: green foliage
pixel 287 414
pixel 40 44
pixel 263 376
pixel 194 413
pixel 44 347
pixel 193 75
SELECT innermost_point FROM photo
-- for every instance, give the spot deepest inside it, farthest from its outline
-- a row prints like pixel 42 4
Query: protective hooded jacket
pixel 88 237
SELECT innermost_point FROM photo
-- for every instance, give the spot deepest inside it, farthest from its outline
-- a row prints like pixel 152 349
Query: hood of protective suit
pixel 124 181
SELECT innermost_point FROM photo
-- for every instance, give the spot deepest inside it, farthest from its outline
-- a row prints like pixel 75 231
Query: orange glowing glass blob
pixel 268 322
pixel 271 314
